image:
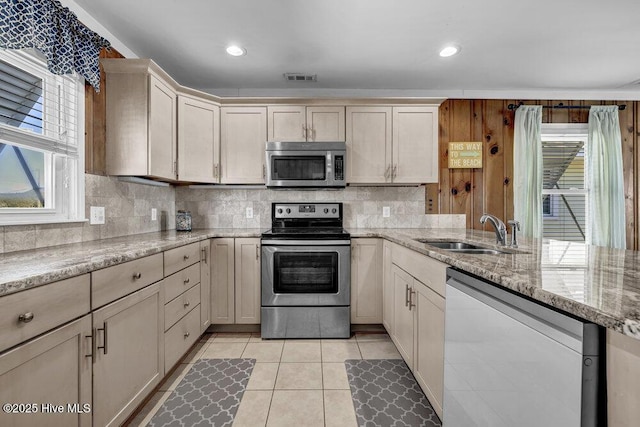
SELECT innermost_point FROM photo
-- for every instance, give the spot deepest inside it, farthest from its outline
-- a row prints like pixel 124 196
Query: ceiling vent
pixel 299 77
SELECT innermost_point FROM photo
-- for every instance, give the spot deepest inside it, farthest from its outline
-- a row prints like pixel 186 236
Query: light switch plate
pixel 154 214
pixel 386 211
pixel 249 213
pixel 97 215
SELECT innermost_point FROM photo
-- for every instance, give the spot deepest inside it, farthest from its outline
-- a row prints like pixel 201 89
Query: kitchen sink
pixel 461 247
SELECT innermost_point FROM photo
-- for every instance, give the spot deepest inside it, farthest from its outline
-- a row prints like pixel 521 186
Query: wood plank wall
pixel 95 126
pixel 475 191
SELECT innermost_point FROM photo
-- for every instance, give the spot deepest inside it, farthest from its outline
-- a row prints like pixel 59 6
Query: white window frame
pixel 64 163
pixel 567 132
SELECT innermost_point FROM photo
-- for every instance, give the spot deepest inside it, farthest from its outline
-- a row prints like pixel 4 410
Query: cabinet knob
pixel 137 276
pixel 26 317
pixel 187 280
pixel 186 257
pixel 186 335
pixel 187 304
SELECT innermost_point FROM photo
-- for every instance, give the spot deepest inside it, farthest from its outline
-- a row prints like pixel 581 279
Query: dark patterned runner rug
pixel 385 393
pixel 209 395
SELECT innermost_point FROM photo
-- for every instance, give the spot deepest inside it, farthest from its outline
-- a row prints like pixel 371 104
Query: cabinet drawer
pixel 111 283
pixel 427 270
pixel 181 337
pixel 179 258
pixel 48 306
pixel 177 283
pixel 178 307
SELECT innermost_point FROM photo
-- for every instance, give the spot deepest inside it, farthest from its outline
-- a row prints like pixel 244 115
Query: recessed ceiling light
pixel 234 50
pixel 449 50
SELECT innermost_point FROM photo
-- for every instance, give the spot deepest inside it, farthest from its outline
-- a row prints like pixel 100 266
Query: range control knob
pixel 326 210
pixel 279 210
pixel 288 210
pixel 334 210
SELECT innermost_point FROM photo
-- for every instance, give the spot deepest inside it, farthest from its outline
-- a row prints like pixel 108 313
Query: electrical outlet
pixel 249 213
pixel 386 211
pixel 154 214
pixel 97 215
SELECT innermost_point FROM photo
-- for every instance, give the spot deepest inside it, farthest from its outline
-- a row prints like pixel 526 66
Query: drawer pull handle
pixel 186 335
pixel 26 317
pixel 93 345
pixel 186 257
pixel 104 336
pixel 187 304
pixel 137 276
pixel 186 282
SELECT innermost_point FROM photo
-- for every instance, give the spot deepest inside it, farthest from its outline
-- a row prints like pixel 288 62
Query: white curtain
pixel 606 183
pixel 527 170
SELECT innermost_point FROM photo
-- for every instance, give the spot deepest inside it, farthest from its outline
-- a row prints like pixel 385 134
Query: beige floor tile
pixel 225 350
pixel 294 408
pixel 334 376
pixel 379 350
pixel 254 409
pixel 301 351
pixel 299 376
pixel 232 337
pixel 263 351
pixel 149 410
pixel 339 351
pixel 365 337
pixel 263 376
pixel 174 379
pixel 338 409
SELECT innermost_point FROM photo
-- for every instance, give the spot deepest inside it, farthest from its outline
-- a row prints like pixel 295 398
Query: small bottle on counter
pixel 183 221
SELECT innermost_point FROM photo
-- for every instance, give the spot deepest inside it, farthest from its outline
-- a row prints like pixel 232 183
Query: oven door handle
pixel 285 242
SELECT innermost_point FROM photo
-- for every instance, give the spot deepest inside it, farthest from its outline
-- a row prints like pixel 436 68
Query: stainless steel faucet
pixel 498 226
pixel 515 226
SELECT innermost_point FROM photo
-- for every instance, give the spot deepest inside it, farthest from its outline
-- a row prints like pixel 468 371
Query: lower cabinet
pixel 402 332
pixel 366 280
pixel 205 285
pixel 53 369
pixel 129 356
pixel 387 286
pixel 235 280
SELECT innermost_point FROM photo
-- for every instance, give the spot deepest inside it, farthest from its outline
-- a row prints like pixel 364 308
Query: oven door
pixel 306 273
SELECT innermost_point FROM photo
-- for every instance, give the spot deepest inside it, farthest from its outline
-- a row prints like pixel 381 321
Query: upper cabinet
pixel 394 145
pixel 198 140
pixel 140 123
pixel 300 123
pixel 242 144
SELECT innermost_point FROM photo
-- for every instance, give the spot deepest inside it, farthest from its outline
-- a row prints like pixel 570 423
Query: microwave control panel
pixel 339 168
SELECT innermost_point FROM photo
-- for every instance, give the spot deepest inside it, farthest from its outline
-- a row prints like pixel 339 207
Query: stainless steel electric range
pixel 306 272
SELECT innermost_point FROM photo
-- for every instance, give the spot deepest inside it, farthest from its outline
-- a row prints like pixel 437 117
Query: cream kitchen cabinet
pixel 198 140
pixel 387 286
pixel 393 145
pixel 129 354
pixel 141 120
pixel 205 285
pixel 242 144
pixel 366 280
pixel 54 369
pixel 300 123
pixel 235 281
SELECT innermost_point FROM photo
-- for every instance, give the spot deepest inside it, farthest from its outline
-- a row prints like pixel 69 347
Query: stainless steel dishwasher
pixel 512 362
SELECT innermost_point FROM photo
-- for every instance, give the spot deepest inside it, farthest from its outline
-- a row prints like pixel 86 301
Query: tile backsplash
pixel 127 211
pixel 362 207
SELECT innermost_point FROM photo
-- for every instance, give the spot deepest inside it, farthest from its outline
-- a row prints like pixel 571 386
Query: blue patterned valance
pixel 55 31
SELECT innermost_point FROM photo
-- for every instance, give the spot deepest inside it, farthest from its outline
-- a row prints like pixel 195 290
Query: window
pixel 564 184
pixel 41 145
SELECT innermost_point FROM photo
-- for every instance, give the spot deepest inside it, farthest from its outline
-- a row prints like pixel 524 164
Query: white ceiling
pixel 584 48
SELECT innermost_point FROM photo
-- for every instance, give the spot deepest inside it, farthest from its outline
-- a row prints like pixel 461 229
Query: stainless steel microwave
pixel 306 164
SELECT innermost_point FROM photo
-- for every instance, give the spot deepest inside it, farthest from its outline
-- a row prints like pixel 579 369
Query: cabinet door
pixel 162 130
pixel 129 361
pixel 415 145
pixel 247 280
pixel 368 144
pixel 325 124
pixel 387 287
pixel 51 369
pixel 429 358
pixel 403 314
pixel 242 144
pixel 366 281
pixel 286 123
pixel 198 140
pixel 222 281
pixel 205 285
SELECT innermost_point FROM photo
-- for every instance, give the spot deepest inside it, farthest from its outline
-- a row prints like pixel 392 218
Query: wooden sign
pixel 465 155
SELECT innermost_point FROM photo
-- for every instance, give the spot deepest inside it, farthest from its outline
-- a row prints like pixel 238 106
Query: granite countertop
pixel 597 284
